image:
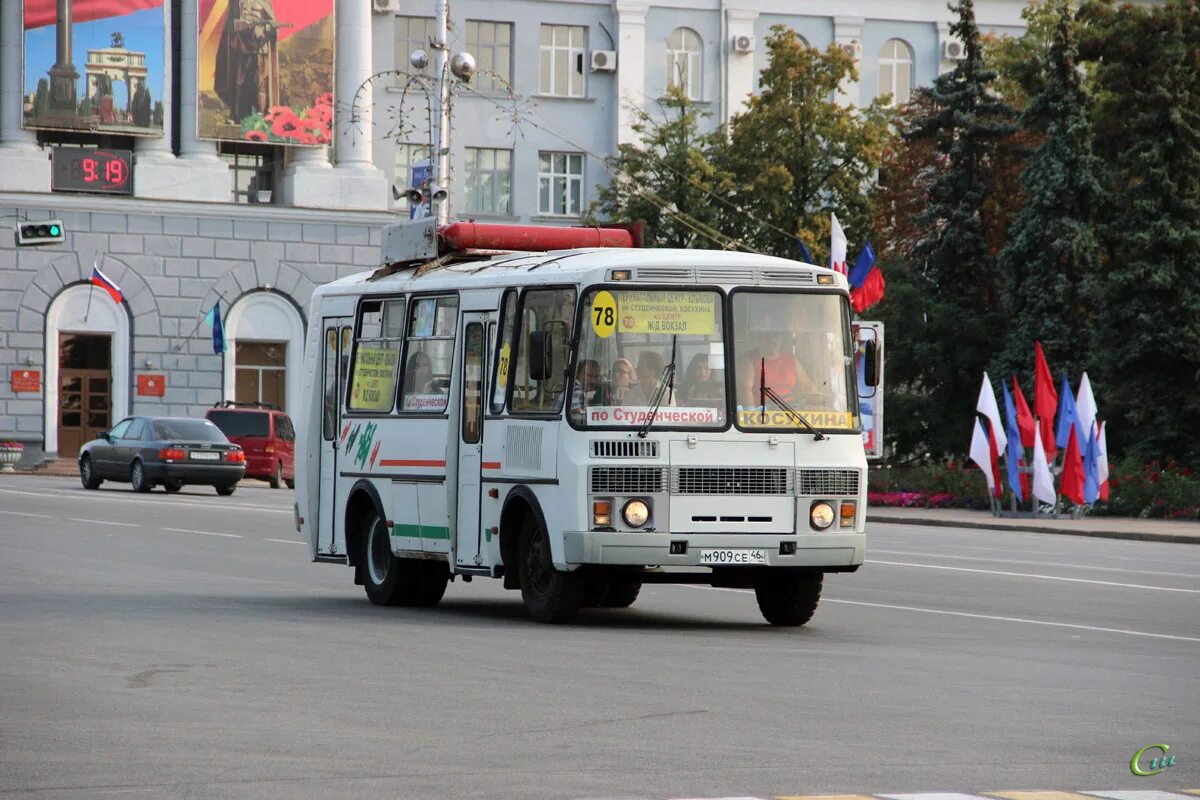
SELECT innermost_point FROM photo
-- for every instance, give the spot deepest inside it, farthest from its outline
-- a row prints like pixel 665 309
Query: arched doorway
pixel 87 367
pixel 264 349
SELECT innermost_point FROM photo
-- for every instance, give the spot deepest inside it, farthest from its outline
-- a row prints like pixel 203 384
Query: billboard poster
pixel 94 65
pixel 266 71
pixel 870 398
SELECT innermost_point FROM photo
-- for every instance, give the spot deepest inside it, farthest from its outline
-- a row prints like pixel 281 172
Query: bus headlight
pixel 636 513
pixel 821 515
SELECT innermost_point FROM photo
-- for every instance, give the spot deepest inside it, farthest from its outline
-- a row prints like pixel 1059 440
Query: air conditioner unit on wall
pixel 743 44
pixel 853 49
pixel 953 50
pixel 604 61
pixel 385 6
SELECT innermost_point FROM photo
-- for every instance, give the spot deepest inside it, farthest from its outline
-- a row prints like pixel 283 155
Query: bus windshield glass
pixel 792 356
pixel 650 354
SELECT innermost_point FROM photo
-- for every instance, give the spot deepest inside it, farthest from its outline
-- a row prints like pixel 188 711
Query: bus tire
pixel 550 595
pixel 594 592
pixel 423 583
pixel 621 595
pixel 383 577
pixel 787 598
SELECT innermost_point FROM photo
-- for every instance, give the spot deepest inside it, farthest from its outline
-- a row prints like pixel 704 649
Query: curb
pixel 1143 536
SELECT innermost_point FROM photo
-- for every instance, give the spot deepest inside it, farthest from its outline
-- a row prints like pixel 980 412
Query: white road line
pixel 969 615
pixel 287 541
pixel 1035 575
pixel 1034 563
pixel 205 533
pixel 23 514
pixel 143 500
pixel 104 522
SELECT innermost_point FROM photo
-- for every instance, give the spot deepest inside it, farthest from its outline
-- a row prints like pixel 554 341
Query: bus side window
pixel 429 355
pixel 377 355
pixel 549 312
pixel 504 350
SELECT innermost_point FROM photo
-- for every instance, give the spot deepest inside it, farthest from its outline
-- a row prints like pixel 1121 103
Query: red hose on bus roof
pixel 538 238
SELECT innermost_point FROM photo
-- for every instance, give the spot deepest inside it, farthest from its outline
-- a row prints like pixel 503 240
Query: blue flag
pixel 808 257
pixel 218 330
pixel 1067 416
pixel 862 266
pixel 1014 453
pixel 1091 470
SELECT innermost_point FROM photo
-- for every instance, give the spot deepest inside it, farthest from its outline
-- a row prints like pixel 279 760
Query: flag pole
pixel 91 287
pixel 199 322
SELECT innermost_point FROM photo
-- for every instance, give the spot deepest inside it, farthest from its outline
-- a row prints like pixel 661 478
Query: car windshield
pixel 629 341
pixel 240 423
pixel 192 430
pixel 792 356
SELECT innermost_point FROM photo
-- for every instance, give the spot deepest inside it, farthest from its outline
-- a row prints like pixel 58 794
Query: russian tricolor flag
pixel 106 283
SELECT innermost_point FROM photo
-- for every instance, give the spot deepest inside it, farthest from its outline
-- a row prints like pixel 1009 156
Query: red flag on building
pixel 40 13
pixel 1071 480
pixel 1045 400
pixel 1024 416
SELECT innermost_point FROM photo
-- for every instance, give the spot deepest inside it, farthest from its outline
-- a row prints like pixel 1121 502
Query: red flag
pixel 1024 416
pixel 40 13
pixel 871 291
pixel 1071 481
pixel 1045 400
pixel 994 452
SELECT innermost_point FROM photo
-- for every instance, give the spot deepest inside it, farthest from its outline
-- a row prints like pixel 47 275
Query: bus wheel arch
pixel 520 504
pixel 362 504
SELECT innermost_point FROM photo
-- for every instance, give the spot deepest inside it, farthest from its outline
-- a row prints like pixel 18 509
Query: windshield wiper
pixel 767 392
pixel 665 380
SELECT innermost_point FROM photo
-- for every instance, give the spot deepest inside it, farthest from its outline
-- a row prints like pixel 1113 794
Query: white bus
pixel 581 421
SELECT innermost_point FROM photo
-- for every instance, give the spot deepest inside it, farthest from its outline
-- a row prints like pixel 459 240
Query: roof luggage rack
pixel 246 404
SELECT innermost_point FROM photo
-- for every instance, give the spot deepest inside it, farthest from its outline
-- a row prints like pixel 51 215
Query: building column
pixel 631 65
pixel 740 75
pixel 847 33
pixel 208 177
pixel 157 172
pixel 24 166
pixel 354 181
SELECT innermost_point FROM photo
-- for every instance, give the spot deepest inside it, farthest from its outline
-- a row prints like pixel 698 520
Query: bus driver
pixel 774 365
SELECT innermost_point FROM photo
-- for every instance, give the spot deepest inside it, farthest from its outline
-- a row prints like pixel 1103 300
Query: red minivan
pixel 267 436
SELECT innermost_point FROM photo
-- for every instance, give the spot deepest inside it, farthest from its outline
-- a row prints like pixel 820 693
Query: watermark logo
pixel 1151 760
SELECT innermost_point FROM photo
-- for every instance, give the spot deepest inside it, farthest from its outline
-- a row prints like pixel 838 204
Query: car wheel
pixel 787 598
pixel 173 486
pixel 137 478
pixel 87 474
pixel 291 483
pixel 550 595
pixel 225 491
pixel 276 479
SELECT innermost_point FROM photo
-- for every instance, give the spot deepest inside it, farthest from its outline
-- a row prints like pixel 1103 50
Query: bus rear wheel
pixel 392 581
pixel 550 595
pixel 787 598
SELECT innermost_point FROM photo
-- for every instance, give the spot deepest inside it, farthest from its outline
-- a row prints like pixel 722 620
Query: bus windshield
pixel 792 356
pixel 650 354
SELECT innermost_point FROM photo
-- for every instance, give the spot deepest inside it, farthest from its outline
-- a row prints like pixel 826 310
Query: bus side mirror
pixel 541 355
pixel 870 363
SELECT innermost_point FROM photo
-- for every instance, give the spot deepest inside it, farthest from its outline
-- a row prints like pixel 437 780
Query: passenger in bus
pixel 649 371
pixel 587 390
pixel 774 365
pixel 622 379
pixel 698 383
pixel 418 375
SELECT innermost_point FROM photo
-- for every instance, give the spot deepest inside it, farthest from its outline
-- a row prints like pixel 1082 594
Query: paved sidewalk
pixel 1152 530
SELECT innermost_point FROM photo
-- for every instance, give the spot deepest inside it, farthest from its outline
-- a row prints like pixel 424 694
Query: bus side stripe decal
pixel 490 465
pixel 409 462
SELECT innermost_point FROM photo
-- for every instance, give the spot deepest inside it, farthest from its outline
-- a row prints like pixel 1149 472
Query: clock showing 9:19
pixel 92 169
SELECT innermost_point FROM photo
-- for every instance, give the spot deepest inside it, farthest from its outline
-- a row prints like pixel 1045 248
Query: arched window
pixel 264 334
pixel 896 71
pixel 683 62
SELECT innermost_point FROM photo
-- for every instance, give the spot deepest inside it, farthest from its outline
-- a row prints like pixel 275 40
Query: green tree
pixel 665 181
pixel 955 269
pixel 41 101
pixel 795 154
pixel 1051 260
pixel 140 107
pixel 1148 133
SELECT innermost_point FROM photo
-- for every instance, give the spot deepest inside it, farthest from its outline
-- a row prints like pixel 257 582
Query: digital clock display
pixel 93 170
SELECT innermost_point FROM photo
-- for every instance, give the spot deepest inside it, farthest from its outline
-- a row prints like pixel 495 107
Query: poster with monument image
pixel 93 65
pixel 266 71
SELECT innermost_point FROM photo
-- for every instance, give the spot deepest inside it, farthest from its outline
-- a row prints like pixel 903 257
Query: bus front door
pixel 468 534
pixel 335 361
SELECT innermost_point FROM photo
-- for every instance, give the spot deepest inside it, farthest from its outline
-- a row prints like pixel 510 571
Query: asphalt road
pixel 184 646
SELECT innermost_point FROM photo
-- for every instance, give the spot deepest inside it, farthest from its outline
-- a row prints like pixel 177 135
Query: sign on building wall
pixel 266 71
pixel 96 67
pixel 26 380
pixel 151 385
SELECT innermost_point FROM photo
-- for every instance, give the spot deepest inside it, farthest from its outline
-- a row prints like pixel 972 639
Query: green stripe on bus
pixel 420 531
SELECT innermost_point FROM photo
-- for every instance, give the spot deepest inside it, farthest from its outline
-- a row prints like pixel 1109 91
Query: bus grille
pixel 731 480
pixel 827 482
pixel 627 480
pixel 624 448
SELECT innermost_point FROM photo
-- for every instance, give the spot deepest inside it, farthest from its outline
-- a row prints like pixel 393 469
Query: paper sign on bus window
pixel 776 418
pixel 502 368
pixel 665 415
pixel 667 312
pixel 423 317
pixel 374 385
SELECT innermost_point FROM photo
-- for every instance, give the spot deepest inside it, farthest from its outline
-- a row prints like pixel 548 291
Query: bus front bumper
pixel 822 550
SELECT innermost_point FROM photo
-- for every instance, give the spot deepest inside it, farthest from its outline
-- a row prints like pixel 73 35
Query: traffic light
pixel 45 231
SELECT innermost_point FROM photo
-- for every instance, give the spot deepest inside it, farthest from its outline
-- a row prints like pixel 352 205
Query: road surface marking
pixel 287 541
pixel 1034 563
pixel 1035 575
pixel 142 499
pixel 824 797
pixel 205 533
pixel 932 796
pixel 104 522
pixel 23 514
pixel 1039 795
pixel 1134 794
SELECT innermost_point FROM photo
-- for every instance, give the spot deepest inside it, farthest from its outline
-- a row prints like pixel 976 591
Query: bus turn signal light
pixel 848 512
pixel 601 513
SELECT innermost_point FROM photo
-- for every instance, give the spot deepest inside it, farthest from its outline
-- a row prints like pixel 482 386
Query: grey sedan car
pixel 171 451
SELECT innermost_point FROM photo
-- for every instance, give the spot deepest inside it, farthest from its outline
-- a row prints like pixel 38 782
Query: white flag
pixel 981 454
pixel 1043 481
pixel 1102 454
pixel 1085 409
pixel 986 405
pixel 837 246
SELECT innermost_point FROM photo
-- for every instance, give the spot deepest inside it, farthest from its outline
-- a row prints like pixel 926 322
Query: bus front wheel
pixel 550 595
pixel 787 598
pixel 392 581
